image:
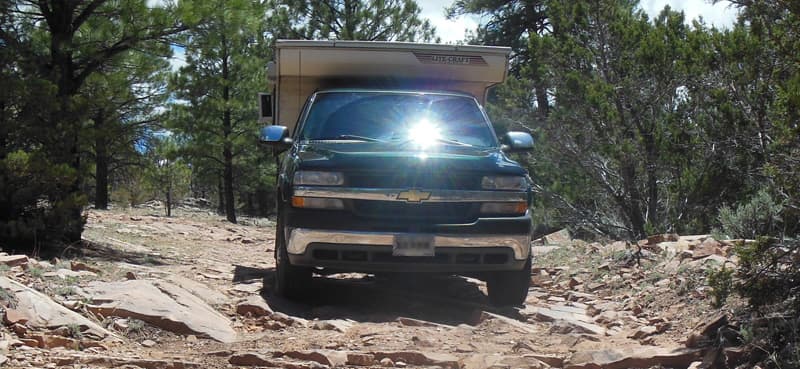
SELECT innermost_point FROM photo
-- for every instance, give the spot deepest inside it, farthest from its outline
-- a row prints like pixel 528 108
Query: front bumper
pixel 364 251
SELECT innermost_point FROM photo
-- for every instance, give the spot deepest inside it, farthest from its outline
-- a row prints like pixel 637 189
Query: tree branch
pixel 86 13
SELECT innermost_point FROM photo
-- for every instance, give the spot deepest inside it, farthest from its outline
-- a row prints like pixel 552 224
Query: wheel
pixel 291 281
pixel 510 288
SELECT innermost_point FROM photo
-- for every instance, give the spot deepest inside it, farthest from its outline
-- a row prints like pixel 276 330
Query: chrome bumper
pixel 300 238
pixel 395 194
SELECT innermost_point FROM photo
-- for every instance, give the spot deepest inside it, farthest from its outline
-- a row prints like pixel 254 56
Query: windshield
pixel 424 119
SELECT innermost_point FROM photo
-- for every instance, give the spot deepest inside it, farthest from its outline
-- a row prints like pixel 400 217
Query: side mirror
pixel 276 136
pixel 517 142
pixel 264 108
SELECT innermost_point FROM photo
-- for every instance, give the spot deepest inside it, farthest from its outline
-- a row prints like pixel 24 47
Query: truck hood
pixel 383 157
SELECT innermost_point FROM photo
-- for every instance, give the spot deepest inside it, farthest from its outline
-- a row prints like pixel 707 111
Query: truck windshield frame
pixel 419 118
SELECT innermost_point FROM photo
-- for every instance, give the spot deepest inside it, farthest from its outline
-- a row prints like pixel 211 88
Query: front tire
pixel 510 288
pixel 291 281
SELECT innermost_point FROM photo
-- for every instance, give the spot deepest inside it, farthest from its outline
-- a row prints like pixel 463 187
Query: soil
pixel 444 315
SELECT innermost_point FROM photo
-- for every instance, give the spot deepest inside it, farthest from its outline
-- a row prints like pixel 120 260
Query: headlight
pixel 504 183
pixel 316 178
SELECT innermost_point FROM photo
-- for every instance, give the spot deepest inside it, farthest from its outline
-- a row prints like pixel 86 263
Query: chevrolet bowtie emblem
pixel 413 196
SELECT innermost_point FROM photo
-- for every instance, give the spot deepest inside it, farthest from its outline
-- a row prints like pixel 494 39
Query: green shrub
pixel 769 278
pixel 130 188
pixel 36 272
pixel 769 273
pixel 64 291
pixel 721 282
pixel 758 217
pixel 38 207
pixel 135 326
pixel 75 331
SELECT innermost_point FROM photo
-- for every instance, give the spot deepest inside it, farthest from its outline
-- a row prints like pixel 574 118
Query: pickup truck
pixel 388 164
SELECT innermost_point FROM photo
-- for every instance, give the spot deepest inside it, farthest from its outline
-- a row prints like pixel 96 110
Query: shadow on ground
pixel 105 252
pixel 246 274
pixel 447 300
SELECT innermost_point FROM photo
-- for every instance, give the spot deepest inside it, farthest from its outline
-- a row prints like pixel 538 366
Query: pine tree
pixel 57 46
pixel 167 172
pixel 124 105
pixel 215 117
pixel 760 63
pixel 371 20
pixel 520 25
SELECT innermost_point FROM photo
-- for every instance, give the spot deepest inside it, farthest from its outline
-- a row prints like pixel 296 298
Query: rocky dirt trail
pixel 193 291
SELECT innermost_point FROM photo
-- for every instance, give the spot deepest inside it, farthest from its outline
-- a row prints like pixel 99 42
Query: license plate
pixel 413 245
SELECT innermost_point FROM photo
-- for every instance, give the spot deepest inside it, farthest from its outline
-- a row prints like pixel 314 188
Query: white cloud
pixel 159 3
pixel 450 31
pixel 720 15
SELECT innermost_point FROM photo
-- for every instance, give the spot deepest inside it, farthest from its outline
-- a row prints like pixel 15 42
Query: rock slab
pixel 13 260
pixel 704 333
pixel 483 361
pixel 569 316
pixel 418 358
pixel 251 359
pixel 42 312
pixel 324 357
pixel 636 357
pixel 210 296
pixel 254 306
pixel 113 362
pixel 161 304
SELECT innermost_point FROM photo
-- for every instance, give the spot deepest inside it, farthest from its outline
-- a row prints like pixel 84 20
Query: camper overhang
pixel 304 67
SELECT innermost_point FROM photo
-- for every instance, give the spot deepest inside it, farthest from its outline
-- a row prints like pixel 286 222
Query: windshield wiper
pixel 439 139
pixel 349 137
pixel 453 142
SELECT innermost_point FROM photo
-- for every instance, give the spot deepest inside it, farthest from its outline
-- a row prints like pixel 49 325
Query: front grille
pixel 428 181
pixel 423 212
pixel 323 252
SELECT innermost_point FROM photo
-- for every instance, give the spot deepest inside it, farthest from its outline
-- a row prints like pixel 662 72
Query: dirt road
pixel 195 291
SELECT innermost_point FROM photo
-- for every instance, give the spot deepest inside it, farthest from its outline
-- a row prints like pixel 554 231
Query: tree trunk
pixel 249 204
pixel 542 103
pixel 634 212
pixel 74 225
pixel 348 33
pixel 230 208
pixel 101 163
pixel 227 150
pixel 652 179
pixel 169 197
pixel 628 173
pixel 220 196
pixel 66 149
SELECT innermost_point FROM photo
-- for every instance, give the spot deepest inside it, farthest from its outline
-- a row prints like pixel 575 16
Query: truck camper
pixel 389 165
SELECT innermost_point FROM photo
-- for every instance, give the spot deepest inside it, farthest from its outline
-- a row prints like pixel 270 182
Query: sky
pixel 449 30
pixel 720 15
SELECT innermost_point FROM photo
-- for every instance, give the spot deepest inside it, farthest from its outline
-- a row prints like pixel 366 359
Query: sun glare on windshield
pixel 424 133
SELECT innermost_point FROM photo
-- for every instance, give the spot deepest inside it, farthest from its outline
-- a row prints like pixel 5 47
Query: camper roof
pixel 502 50
pixel 307 66
pixel 331 59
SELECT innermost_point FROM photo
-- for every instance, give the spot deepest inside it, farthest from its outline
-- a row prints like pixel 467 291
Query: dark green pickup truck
pixel 401 181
